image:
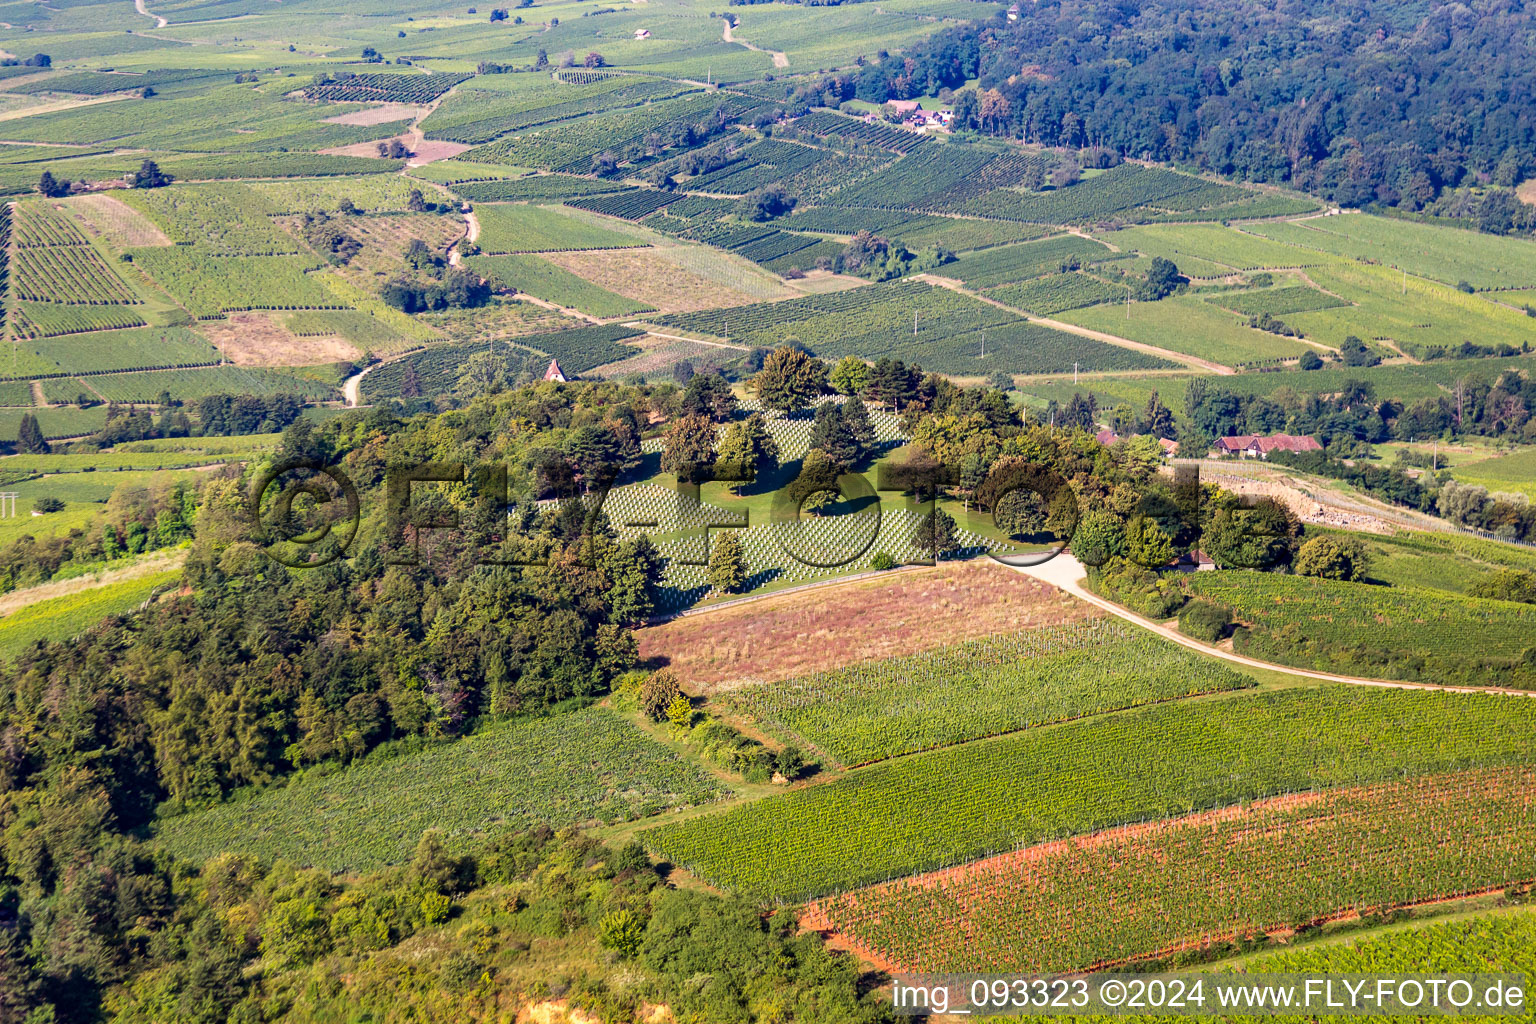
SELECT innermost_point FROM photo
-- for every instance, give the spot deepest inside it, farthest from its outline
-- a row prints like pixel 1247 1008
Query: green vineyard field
pixel 69 274
pixel 569 769
pixel 949 806
pixel 210 285
pixel 881 709
pixel 60 618
pixel 1188 883
pixel 544 280
pixel 515 228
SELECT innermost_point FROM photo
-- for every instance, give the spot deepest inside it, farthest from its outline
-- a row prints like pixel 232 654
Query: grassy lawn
pixel 1185 324
pixel 1515 472
pixel 61 618
pixel 1443 254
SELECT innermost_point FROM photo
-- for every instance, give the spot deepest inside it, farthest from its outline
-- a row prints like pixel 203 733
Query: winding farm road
pixel 1193 362
pixel 139 6
pixel 1065 572
pixel 780 60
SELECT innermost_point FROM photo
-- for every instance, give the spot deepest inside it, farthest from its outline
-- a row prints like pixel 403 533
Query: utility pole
pixel 1074 374
pixel 983 344
pixel 1405 280
pixel 1127 302
pixel 914 323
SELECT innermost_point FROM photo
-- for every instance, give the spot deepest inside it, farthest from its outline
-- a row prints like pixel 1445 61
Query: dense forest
pixel 1404 104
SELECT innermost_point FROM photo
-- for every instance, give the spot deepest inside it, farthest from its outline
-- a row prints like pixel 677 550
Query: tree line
pixel 1419 109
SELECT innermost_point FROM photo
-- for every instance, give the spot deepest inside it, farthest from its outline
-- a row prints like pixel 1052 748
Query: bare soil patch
pixel 1527 192
pixel 364 148
pixel 255 339
pixel 381 114
pixel 647 275
pixel 428 151
pixel 793 634
pixel 108 217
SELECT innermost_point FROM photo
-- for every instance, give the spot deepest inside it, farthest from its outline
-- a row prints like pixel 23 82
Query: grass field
pixel 516 228
pixel 544 280
pixel 587 766
pixel 1185 324
pixel 1514 473
pixel 61 618
pixel 948 806
pixel 1444 254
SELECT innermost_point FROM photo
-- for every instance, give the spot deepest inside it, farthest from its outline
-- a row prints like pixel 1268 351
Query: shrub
pixel 1333 558
pixel 789 762
pixel 621 931
pixel 658 693
pixel 435 908
pixel 48 504
pixel 882 561
pixel 1205 620
pixel 680 712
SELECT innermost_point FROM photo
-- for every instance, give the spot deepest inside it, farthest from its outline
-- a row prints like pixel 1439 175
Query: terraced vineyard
pixel 438 368
pixel 1057 293
pixel 1015 263
pixel 1187 883
pixel 828 125
pixel 1138 193
pixel 36 225
pixel 147 387
pixel 633 204
pixel 222 219
pixel 1278 301
pixel 534 188
pixel 881 709
pixel 1046 784
pixel 130 349
pixel 570 146
pixel 477 113
pixel 759 164
pixel 515 228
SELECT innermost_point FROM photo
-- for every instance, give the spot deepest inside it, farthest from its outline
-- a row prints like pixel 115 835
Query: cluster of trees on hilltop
pixel 1361 101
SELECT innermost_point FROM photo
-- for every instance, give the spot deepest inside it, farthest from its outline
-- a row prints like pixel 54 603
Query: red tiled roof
pixel 1272 443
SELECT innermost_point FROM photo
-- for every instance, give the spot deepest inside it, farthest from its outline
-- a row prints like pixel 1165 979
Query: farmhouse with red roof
pixel 1257 446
